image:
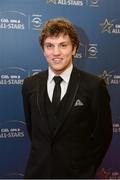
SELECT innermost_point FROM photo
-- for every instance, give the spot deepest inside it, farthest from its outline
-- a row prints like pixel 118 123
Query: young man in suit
pixel 68 117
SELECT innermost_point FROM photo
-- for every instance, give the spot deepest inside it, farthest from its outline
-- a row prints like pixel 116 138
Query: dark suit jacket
pixel 83 133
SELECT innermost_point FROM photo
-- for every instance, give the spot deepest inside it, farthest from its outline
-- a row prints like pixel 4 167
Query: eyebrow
pixel 58 43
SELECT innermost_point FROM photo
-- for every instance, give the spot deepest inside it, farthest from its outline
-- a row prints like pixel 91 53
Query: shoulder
pixel 90 80
pixel 87 75
pixel 35 77
pixel 31 82
pixel 93 86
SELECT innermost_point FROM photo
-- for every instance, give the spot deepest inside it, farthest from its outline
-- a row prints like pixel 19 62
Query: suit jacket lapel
pixel 41 90
pixel 71 93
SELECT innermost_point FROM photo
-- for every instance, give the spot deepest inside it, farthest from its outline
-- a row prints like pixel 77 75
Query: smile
pixel 56 60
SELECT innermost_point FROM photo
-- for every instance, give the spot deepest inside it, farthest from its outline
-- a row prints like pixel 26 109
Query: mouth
pixel 57 60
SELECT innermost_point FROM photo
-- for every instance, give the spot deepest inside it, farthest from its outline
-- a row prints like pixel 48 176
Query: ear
pixel 74 50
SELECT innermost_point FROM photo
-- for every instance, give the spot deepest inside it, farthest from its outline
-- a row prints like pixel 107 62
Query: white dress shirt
pixel 64 84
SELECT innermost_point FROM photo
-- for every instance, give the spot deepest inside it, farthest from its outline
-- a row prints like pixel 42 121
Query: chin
pixel 58 71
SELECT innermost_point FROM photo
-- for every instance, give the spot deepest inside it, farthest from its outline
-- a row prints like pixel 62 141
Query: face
pixel 58 52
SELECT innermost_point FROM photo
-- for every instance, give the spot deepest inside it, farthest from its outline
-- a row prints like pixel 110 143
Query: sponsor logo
pixel 110 78
pixel 15 20
pixel 11 133
pixel 15 75
pixel 12 76
pixel 52 1
pixel 92 51
pixel 111 26
pixel 80 3
pixel 87 51
pixel 82 52
pixel 94 3
pixel 12 129
pixel 66 2
pixel 36 21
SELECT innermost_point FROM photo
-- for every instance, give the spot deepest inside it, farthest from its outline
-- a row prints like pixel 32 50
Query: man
pixel 70 127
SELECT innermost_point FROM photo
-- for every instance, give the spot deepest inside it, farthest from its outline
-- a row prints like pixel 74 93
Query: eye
pixel 49 45
pixel 63 45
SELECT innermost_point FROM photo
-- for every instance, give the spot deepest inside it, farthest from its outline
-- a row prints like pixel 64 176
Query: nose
pixel 56 51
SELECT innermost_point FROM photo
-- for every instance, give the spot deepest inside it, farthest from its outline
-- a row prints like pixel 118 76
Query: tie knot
pixel 57 79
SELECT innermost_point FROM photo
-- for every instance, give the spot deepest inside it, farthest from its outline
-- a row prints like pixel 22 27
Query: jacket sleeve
pixel 102 134
pixel 26 106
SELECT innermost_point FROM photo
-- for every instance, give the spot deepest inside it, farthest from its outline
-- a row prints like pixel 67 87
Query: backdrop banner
pixel 98 24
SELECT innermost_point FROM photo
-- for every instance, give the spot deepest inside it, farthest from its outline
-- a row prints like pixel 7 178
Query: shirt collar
pixel 65 75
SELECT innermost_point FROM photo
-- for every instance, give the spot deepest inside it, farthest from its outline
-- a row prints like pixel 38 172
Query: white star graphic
pixel 106 26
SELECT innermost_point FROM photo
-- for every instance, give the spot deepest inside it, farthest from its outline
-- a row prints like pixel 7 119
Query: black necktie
pixel 57 91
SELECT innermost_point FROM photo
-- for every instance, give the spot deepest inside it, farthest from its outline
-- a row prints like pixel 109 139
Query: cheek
pixel 71 51
pixel 47 55
pixel 69 55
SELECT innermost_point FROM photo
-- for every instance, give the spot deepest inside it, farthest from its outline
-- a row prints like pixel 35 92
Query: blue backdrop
pixel 98 24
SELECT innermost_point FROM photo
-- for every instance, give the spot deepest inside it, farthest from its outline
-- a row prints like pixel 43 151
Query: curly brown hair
pixel 54 27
